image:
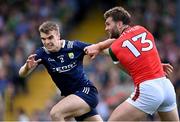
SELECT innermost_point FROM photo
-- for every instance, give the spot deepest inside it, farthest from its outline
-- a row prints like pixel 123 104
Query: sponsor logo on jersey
pixel 71 55
pixel 65 68
pixel 70 44
pixel 50 59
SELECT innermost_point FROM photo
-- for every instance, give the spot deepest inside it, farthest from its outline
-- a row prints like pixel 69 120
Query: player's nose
pixel 47 41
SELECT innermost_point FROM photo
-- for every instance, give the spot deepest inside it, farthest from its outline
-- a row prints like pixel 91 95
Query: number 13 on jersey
pixel 143 40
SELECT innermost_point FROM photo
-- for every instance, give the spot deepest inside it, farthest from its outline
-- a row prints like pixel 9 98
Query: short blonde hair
pixel 47 26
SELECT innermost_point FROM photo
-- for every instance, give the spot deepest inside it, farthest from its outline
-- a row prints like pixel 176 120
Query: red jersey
pixel 135 50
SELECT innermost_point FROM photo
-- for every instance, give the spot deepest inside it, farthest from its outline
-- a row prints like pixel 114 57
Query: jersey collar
pixel 46 50
pixel 63 43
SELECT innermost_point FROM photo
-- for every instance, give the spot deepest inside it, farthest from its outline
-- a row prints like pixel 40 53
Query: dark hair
pixel 118 14
pixel 47 26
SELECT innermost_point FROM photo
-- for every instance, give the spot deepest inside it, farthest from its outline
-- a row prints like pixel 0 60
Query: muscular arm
pixel 105 44
pixel 29 66
pixel 24 70
pixel 95 49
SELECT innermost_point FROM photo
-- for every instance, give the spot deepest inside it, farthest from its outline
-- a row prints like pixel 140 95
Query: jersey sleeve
pixel 113 57
pixel 81 45
pixel 39 54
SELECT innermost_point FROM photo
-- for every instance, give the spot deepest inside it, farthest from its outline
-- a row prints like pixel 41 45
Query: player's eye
pixel 50 37
pixel 43 39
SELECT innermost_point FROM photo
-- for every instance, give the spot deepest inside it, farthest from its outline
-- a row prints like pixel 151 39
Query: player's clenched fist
pixel 92 50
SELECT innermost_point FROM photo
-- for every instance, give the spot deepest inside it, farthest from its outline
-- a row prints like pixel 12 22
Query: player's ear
pixel 58 34
pixel 119 24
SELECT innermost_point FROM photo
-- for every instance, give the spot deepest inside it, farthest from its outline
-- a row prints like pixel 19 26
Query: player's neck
pixel 59 45
pixel 123 28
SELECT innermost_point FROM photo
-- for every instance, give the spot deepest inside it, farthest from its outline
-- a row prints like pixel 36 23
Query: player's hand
pixel 92 50
pixel 168 69
pixel 31 62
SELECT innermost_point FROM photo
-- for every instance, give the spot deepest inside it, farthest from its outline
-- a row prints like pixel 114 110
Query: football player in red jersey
pixel 134 50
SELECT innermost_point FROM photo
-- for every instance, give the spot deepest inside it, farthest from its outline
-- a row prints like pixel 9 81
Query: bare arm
pixel 95 49
pixel 105 44
pixel 29 66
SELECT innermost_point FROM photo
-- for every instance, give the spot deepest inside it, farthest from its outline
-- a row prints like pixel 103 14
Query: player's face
pixel 51 41
pixel 111 28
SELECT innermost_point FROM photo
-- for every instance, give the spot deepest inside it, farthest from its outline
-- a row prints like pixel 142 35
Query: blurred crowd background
pixel 19 37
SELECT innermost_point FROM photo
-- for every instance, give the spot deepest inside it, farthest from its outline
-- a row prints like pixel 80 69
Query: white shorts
pixel 154 95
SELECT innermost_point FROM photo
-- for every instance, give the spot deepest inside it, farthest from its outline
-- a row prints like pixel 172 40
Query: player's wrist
pixel 26 68
pixel 100 46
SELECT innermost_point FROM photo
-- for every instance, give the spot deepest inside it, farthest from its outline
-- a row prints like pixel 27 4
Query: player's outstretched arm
pixel 29 66
pixel 95 49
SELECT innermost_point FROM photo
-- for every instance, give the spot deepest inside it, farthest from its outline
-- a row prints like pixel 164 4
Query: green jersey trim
pixel 113 57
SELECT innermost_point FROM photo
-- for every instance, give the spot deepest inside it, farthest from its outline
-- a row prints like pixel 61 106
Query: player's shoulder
pixel 132 31
pixel 77 44
pixel 71 43
pixel 139 28
pixel 68 43
pixel 41 51
pixel 136 28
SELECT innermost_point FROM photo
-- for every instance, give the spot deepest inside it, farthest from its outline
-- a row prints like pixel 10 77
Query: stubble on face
pixel 111 28
pixel 114 33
